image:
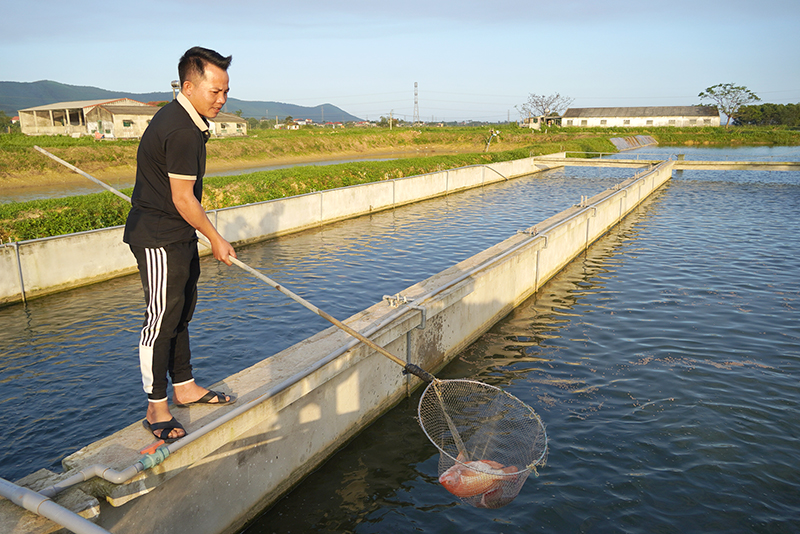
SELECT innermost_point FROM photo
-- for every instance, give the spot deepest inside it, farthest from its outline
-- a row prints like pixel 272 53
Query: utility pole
pixel 416 105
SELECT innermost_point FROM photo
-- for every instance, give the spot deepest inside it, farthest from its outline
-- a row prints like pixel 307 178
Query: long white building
pixel 641 116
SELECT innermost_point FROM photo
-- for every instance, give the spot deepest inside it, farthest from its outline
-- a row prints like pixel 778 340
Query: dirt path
pixel 61 176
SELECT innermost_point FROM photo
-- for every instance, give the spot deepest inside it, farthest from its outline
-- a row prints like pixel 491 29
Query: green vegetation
pixel 714 136
pixel 699 136
pixel 21 221
pixel 57 216
pixel 769 115
pixel 17 156
pixel 17 159
pixel 43 218
pixel 728 98
pixel 19 140
pixel 6 125
pixel 224 191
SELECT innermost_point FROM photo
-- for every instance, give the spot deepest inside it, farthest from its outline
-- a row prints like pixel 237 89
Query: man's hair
pixel 193 62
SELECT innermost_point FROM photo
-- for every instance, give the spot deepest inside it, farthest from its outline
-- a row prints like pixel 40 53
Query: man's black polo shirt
pixel 173 146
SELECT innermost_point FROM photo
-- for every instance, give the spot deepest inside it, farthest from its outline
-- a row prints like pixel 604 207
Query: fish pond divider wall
pixel 297 407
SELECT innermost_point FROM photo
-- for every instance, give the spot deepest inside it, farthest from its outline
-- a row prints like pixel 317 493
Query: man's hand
pixel 193 213
pixel 222 250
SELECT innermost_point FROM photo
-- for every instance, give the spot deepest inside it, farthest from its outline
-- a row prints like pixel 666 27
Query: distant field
pixel 21 221
pixel 20 165
pixel 459 146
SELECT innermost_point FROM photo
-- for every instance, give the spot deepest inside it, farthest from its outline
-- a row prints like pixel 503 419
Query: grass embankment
pixel 21 221
pixel 738 136
pixel 43 218
pixel 702 136
pixel 20 165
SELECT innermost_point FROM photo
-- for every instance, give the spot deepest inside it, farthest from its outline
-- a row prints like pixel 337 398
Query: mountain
pixel 20 95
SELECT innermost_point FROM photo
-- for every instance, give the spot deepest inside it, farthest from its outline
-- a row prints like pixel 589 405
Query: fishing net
pixel 489 441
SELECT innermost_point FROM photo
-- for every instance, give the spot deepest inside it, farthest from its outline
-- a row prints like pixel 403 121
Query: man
pixel 161 232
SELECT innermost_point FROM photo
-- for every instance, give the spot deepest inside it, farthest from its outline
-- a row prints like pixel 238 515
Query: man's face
pixel 208 93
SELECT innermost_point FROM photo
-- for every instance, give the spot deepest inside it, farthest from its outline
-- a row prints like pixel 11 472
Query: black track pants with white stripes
pixel 169 277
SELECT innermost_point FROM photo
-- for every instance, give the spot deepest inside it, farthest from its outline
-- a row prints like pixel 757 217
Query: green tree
pixel 5 122
pixel 385 122
pixel 769 115
pixel 729 98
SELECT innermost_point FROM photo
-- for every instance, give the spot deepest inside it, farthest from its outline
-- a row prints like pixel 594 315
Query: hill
pixel 20 95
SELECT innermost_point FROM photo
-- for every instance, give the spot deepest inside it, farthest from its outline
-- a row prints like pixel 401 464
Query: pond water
pixel 665 361
pixel 69 365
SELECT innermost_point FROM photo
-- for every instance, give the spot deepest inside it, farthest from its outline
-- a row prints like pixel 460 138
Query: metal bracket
pixel 396 300
pixel 534 232
pixel 424 312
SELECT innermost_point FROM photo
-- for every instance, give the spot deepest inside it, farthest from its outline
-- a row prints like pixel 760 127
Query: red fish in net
pixel 480 477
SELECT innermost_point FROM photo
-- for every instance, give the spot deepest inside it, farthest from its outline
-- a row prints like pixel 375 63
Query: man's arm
pixel 193 213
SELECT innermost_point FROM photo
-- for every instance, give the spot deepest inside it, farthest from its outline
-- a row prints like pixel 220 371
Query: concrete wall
pixel 59 263
pixel 633 141
pixel 52 122
pixel 114 118
pixel 227 125
pixel 297 407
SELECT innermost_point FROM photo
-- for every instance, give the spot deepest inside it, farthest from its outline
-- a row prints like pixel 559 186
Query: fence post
pixel 19 273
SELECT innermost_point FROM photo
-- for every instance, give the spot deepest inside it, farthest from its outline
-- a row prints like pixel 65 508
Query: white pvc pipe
pixel 102 471
pixel 43 506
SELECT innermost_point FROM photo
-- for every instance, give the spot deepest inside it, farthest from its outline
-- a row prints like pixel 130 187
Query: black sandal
pixel 164 429
pixel 208 397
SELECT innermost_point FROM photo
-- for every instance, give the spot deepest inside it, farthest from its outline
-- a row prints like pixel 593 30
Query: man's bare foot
pixel 158 412
pixel 190 392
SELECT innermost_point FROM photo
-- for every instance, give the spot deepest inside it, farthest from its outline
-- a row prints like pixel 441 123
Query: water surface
pixel 665 361
pixel 69 365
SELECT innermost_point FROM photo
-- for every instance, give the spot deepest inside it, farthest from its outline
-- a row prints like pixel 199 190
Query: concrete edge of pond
pixel 312 398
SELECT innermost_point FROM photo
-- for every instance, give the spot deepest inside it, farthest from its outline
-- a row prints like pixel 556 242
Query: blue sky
pixel 472 59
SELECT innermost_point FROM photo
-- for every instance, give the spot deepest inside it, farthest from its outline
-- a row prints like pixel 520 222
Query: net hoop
pixel 489 441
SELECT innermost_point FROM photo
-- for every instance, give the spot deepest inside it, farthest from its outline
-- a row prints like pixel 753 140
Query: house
pixel 227 125
pixel 641 116
pixel 116 118
pixel 536 123
pixel 120 118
